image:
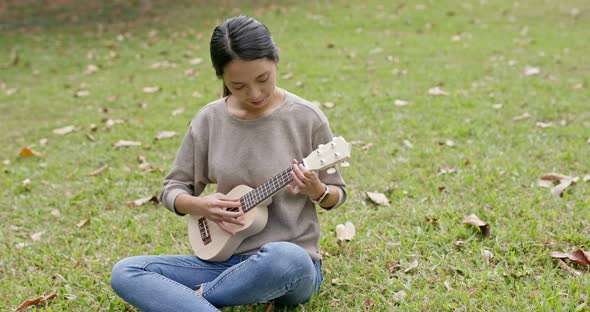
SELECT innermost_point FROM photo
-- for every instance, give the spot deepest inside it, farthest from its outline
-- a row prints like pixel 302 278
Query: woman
pixel 246 137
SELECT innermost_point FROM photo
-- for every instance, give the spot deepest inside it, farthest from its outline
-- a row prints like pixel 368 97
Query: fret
pixel 265 190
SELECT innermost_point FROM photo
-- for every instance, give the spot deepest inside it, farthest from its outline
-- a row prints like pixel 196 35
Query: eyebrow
pixel 259 76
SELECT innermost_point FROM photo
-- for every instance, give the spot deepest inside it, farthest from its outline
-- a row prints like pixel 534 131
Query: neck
pixel 266 190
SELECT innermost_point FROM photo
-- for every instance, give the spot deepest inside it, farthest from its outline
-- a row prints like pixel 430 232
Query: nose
pixel 254 93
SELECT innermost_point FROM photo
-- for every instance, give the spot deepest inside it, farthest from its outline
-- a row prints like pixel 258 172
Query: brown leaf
pixel 392 268
pixel 100 170
pixel 430 220
pixel 560 188
pixel 378 198
pixel 90 137
pixel 142 201
pixel 563 181
pixel 269 307
pixel 579 256
pixel 31 302
pixel 472 219
pixel 568 268
pixel 27 152
pixel 369 303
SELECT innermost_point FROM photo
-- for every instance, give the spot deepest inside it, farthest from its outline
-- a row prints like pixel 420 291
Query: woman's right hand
pixel 216 207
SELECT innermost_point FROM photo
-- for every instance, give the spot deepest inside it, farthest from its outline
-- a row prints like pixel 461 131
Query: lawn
pixel 455 108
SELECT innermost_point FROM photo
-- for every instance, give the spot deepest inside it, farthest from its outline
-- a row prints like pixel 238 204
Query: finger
pixel 224 227
pixel 298 172
pixel 297 181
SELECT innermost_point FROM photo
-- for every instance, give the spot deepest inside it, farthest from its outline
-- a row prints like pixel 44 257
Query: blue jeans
pixel 281 271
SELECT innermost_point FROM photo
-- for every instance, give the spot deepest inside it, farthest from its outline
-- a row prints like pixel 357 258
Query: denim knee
pixel 121 270
pixel 288 257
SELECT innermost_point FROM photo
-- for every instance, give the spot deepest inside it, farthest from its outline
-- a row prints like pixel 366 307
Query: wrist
pixel 319 199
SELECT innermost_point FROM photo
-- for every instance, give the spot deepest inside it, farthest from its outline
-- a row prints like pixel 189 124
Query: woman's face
pixel 251 82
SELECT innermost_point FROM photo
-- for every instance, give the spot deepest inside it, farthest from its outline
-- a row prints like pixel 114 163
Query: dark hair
pixel 241 37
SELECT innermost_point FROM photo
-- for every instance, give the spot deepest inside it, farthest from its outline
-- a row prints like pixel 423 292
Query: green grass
pixel 346 53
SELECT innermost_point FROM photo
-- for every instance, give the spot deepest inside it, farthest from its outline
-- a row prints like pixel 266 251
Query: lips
pixel 257 102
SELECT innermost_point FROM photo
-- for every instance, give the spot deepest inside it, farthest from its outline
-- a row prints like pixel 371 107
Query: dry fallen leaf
pixel 196 61
pixel 428 219
pixel 82 93
pixel 560 188
pixel 65 130
pixel 178 111
pixel 100 170
pixel 399 296
pixel 522 117
pixel 472 219
pixel 345 231
pixel 26 183
pixel 165 135
pixel 437 91
pixel 329 105
pixel 568 268
pixel 487 255
pixel 400 103
pixel 31 302
pixel 142 201
pixel 543 125
pixel 563 182
pixel 91 69
pixel 378 198
pixel 586 178
pixel 446 170
pixel 530 71
pixel 27 152
pixel 413 265
pixel 151 89
pixel 124 143
pixel 448 285
pixel 83 223
pixel 37 236
pixel 579 257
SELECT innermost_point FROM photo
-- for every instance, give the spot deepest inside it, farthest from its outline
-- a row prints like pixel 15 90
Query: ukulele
pixel 210 242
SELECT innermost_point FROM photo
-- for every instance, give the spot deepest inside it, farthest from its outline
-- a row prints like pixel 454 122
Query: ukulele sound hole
pixel 204 229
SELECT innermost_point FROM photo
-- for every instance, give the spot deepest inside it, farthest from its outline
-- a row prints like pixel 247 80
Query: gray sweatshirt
pixel 221 149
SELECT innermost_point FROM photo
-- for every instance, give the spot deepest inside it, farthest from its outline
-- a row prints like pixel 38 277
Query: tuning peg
pixel 331 170
pixel 345 164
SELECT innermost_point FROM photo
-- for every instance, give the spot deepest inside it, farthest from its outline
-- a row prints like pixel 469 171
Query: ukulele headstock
pixel 327 155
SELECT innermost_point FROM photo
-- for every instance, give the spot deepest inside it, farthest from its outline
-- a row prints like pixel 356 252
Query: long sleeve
pixel 188 173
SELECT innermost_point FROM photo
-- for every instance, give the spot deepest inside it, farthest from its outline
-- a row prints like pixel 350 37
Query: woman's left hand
pixel 305 182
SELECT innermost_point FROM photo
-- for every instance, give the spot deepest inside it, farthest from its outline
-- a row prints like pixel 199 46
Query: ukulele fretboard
pixel 266 190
